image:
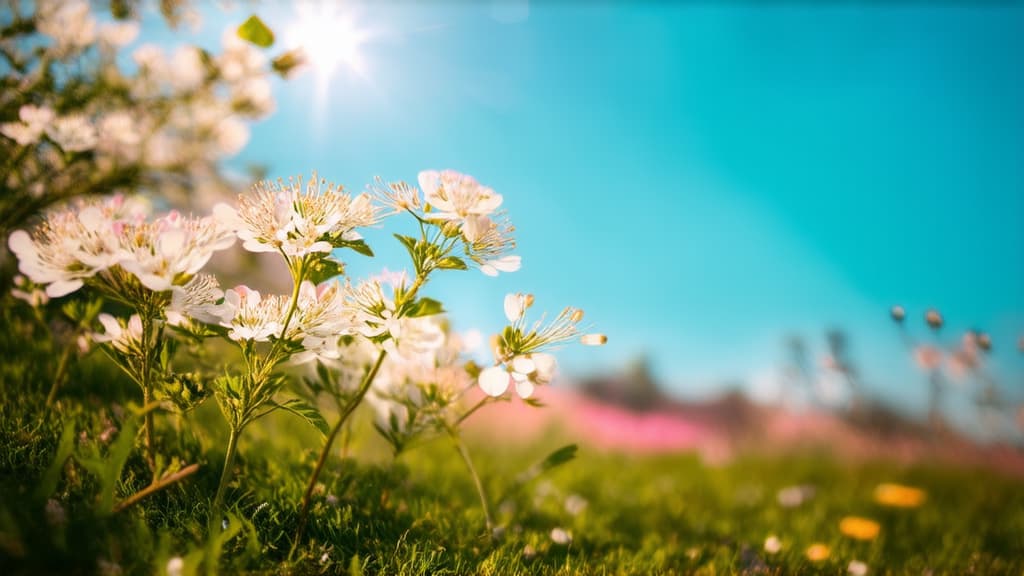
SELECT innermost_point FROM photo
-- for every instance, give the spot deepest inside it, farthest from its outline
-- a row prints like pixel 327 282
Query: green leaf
pixel 425 307
pixel 553 460
pixel 255 31
pixel 324 269
pixel 286 63
pixel 48 483
pixel 452 263
pixel 359 246
pixel 410 244
pixel 559 457
pixel 307 412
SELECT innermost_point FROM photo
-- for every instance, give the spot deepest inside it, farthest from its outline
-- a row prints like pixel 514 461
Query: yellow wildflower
pixel 859 528
pixel 817 552
pixel 899 496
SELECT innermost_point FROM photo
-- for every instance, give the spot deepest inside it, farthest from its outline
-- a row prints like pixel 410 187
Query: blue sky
pixel 703 180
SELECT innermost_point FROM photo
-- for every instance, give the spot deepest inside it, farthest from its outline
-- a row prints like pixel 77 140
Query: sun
pixel 330 39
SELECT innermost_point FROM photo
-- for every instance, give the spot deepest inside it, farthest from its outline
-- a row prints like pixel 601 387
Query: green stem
pixel 483 402
pixel 464 452
pixel 147 386
pixel 62 366
pixel 225 477
pixel 364 387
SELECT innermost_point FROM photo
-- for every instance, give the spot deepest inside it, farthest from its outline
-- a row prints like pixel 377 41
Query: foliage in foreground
pixel 601 514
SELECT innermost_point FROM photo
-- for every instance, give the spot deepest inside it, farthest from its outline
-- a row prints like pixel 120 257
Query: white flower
pixel 119 135
pixel 186 69
pixel 524 340
pixel 251 316
pixel 322 317
pixel 793 496
pixel 74 133
pixel 231 135
pixel 516 305
pixel 163 150
pixel 375 310
pixel 418 339
pixel 173 247
pixel 575 504
pixel 23 134
pixel 525 372
pixel 176 566
pixel 240 59
pixel 68 247
pixel 772 545
pixel 857 568
pixel 32 295
pixel 150 59
pixel 118 34
pixel 297 222
pixel 253 95
pixel 517 350
pixel 397 196
pixel 200 298
pixel 36 116
pixel 560 536
pixel 503 264
pixel 34 120
pixel 456 196
pixel 123 336
pixel 68 22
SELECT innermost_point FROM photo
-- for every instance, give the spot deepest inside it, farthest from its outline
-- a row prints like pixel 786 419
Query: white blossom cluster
pixel 376 339
pixel 95 238
pixel 164 122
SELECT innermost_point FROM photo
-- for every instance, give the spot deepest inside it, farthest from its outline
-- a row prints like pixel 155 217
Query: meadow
pixel 307 419
pixel 600 512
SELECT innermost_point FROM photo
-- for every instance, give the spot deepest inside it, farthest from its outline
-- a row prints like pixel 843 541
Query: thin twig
pixel 156 486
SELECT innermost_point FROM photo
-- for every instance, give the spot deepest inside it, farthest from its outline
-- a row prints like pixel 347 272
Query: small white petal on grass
pixel 857 568
pixel 560 536
pixel 176 566
pixel 793 496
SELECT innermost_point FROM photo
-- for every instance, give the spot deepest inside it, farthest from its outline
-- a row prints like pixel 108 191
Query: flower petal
pixel 494 381
pixel 524 388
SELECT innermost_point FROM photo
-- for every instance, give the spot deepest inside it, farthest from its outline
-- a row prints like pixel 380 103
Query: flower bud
pixel 984 341
pixel 593 339
pixel 898 313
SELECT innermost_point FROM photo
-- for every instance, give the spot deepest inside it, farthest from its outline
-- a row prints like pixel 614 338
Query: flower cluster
pixel 164 124
pixel 377 338
pixel 461 208
pixel 298 221
pixel 94 237
pixel 518 351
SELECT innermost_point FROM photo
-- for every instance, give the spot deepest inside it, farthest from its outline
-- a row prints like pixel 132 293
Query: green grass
pixel 419 514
